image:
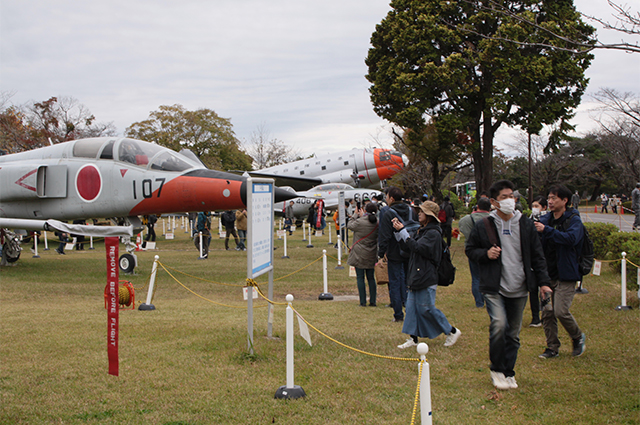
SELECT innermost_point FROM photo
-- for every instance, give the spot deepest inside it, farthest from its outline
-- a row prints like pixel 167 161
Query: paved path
pixel 623 221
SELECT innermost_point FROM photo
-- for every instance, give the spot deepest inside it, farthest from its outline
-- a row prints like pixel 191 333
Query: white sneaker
pixel 452 338
pixel 499 380
pixel 407 344
pixel 511 381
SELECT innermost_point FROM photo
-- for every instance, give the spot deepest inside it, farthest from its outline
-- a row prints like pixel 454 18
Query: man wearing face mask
pixel 508 250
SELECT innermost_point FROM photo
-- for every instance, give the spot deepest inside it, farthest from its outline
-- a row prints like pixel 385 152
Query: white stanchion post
pixel 46 242
pixel 152 283
pixel 309 245
pixel 623 285
pixel 638 281
pixel 164 230
pixel 330 232
pixel 304 229
pixel 340 239
pixel 285 245
pixel 325 295
pixel 201 256
pixel 35 245
pixel 91 242
pixel 290 391
pixel 425 385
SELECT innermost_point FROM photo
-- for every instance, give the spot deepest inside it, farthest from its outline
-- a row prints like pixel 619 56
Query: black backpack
pixel 446 269
pixel 586 255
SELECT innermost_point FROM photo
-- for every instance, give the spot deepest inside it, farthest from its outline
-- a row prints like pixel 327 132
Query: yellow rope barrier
pixel 417 398
pixel 251 282
pixel 198 295
pixel 299 270
pixel 199 278
pixel 352 348
pixel 633 264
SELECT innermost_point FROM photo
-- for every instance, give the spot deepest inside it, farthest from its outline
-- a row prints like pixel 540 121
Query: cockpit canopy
pixel 135 152
pixel 333 186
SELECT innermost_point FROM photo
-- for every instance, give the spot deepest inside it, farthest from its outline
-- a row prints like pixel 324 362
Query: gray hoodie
pixel 513 279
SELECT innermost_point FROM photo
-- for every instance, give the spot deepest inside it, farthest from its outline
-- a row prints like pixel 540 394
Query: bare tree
pixel 268 152
pixel 626 21
pixel 619 121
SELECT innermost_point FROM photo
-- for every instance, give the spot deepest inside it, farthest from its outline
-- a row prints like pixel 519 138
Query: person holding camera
pixel 422 318
pixel 562 233
pixel 363 253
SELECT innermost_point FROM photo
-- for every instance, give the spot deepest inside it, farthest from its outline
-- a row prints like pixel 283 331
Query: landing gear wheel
pixel 127 263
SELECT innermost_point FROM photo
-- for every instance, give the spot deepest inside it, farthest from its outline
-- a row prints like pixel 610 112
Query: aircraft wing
pixel 76 229
pixel 297 183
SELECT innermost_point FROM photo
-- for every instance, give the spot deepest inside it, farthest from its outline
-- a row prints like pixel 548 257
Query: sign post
pixel 260 196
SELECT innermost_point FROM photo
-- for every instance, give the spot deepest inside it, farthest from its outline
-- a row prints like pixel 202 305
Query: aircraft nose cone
pixel 281 195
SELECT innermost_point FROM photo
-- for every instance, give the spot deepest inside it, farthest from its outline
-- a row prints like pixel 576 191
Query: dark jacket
pixel 387 243
pixel 426 253
pixel 534 262
pixel 564 245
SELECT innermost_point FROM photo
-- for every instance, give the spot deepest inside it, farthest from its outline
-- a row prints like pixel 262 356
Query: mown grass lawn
pixel 188 363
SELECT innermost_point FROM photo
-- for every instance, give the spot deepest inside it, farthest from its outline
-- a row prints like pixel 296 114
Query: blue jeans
pixel 504 331
pixel 242 234
pixel 474 268
pixel 362 291
pixel 397 288
pixel 423 318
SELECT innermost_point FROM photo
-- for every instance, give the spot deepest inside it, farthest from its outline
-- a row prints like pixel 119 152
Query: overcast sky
pixel 294 66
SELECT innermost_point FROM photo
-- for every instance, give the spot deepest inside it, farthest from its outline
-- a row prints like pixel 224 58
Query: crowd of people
pixel 513 259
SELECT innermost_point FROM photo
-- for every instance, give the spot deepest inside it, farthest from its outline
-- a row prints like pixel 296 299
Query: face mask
pixel 507 205
pixel 536 211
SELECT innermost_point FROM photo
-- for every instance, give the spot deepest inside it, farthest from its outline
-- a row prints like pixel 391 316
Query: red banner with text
pixel 112 245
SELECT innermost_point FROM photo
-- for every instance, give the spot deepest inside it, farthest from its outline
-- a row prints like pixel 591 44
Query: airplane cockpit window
pixel 107 151
pixel 87 148
pixel 137 152
pixel 168 162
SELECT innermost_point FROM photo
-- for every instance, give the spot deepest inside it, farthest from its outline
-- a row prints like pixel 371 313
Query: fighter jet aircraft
pixel 110 178
pixel 329 193
pixel 357 167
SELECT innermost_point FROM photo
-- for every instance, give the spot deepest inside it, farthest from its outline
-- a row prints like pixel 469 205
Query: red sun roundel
pixel 88 182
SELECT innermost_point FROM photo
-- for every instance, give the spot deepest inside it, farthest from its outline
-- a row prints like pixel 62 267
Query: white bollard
pixel 425 385
pixel 623 285
pixel 285 245
pixel 309 245
pixel 339 266
pixel 330 232
pixel 35 245
pixel 46 242
pixel 290 391
pixel 91 242
pixel 304 235
pixel 164 230
pixel 201 256
pixel 152 283
pixel 325 295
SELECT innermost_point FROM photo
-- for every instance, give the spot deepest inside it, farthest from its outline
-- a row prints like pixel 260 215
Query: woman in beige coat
pixel 364 252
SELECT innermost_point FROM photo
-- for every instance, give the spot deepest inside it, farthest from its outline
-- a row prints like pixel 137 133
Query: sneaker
pixel 452 338
pixel 407 344
pixel 578 345
pixel 535 324
pixel 511 381
pixel 548 354
pixel 499 381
